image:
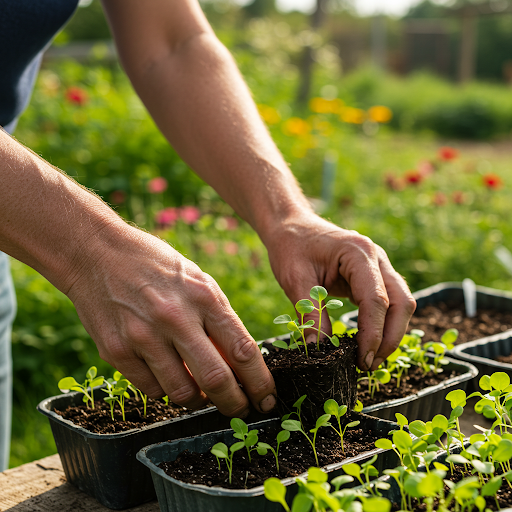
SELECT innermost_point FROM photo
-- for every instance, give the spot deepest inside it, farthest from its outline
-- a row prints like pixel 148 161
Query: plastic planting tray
pixel 177 496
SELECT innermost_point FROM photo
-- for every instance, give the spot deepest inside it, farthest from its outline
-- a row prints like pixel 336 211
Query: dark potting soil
pixel 504 359
pixel 436 319
pixel 504 496
pixel 295 457
pixel 99 420
pixel 415 381
pixel 326 373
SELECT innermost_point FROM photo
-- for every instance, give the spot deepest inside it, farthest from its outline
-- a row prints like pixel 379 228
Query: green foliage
pixel 67 384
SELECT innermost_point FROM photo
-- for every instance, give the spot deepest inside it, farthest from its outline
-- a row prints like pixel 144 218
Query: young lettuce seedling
pixel 91 381
pixel 332 408
pixel 120 390
pixel 221 451
pixel 303 307
pixel 248 438
pixel 262 448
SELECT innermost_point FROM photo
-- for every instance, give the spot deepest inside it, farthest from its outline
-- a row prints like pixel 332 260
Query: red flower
pixel 414 177
pixel 448 153
pixel 77 96
pixel 118 197
pixel 492 181
pixel 167 217
pixel 458 197
pixel 157 185
pixel 190 214
pixel 439 199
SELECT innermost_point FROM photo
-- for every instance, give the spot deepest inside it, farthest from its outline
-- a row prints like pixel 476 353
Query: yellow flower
pixel 380 114
pixel 296 126
pixel 353 115
pixel 323 106
pixel 269 114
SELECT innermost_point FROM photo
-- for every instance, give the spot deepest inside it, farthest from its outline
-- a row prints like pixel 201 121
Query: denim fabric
pixel 7 313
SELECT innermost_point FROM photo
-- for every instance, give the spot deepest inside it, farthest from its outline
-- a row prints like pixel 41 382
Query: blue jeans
pixel 7 313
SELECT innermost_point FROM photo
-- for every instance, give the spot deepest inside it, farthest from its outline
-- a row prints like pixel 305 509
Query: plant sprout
pixel 248 438
pixel 87 388
pixel 221 451
pixel 332 408
pixel 262 448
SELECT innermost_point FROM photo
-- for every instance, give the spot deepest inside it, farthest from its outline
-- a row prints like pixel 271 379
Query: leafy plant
pixel 298 329
pixel 262 448
pixel 221 451
pixel 380 375
pixel 248 438
pixel 87 388
pixel 332 408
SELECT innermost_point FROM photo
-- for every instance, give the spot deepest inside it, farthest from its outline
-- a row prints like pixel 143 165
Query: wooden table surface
pixel 41 486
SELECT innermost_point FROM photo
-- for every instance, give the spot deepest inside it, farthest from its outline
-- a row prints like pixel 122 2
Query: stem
pixel 319 324
pixel 304 337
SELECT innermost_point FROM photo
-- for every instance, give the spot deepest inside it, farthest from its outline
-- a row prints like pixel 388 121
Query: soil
pixel 436 319
pixel 504 359
pixel 295 457
pixel 415 381
pixel 326 373
pixel 99 420
pixel 504 495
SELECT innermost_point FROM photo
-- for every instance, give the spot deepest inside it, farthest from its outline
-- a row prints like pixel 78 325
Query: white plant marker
pixel 469 291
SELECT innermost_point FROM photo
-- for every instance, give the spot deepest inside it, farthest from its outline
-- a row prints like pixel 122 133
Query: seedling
pixel 381 375
pixel 120 390
pixel 332 408
pixel 221 451
pixel 87 388
pixel 248 438
pixel 262 448
pixel 298 329
pixel 366 470
pixel 297 425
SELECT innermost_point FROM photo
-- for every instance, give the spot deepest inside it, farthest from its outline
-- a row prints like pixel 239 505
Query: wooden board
pixel 41 486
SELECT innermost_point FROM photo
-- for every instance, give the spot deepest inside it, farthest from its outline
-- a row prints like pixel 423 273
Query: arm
pixel 148 308
pixel 196 95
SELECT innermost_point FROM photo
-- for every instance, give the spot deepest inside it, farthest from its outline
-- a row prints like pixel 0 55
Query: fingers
pixel 401 307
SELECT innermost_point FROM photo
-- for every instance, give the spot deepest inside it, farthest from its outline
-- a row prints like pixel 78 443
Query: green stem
pixel 319 324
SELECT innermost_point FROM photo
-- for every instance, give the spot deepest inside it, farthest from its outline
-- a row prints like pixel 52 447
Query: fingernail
pixel 369 359
pixel 311 338
pixel 268 403
pixel 377 361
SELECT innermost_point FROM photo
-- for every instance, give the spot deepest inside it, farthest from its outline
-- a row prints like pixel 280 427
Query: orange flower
pixel 296 126
pixel 492 181
pixel 414 177
pixel 380 114
pixel 353 115
pixel 447 153
pixel 323 106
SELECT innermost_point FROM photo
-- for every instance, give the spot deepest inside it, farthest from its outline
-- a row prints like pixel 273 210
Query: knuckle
pixel 116 352
pixel 244 349
pixel 215 380
pixel 409 305
pixel 183 394
pixel 380 299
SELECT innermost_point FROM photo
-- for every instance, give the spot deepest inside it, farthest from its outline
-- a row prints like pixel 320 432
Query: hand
pixel 309 251
pixel 167 326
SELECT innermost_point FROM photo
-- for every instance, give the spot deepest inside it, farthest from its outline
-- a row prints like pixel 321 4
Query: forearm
pixel 199 100
pixel 46 219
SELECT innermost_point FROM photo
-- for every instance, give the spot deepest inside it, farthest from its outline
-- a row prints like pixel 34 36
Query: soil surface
pixel 504 496
pixel 99 419
pixel 295 457
pixel 435 320
pixel 326 373
pixel 504 359
pixel 415 381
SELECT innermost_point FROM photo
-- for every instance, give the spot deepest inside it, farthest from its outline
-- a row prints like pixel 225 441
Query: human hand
pixel 166 325
pixel 308 251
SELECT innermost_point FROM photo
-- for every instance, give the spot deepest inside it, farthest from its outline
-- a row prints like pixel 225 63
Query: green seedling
pixel 366 470
pixel 87 388
pixel 381 375
pixel 165 399
pixel 398 363
pixel 297 425
pixel 136 392
pixel 221 451
pixel 332 408
pixel 111 399
pixel 248 438
pixel 120 390
pixel 298 329
pixel 439 348
pixel 263 448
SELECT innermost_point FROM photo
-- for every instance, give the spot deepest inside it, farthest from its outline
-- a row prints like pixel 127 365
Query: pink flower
pixel 190 214
pixel 167 217
pixel 231 223
pixel 447 153
pixel 231 248
pixel 118 197
pixel 458 197
pixel 439 199
pixel 426 168
pixel 492 181
pixel 157 185
pixel 76 95
pixel 210 247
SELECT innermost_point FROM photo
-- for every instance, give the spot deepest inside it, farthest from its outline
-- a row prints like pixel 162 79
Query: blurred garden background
pixel 397 127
